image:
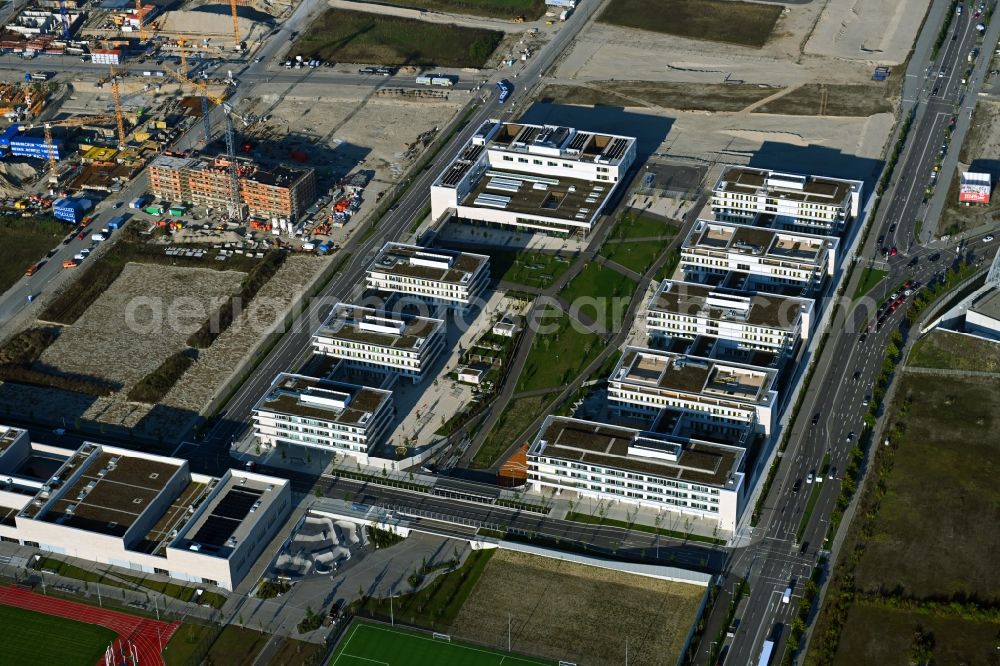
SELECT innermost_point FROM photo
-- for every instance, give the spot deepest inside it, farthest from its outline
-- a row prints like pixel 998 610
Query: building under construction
pixel 282 192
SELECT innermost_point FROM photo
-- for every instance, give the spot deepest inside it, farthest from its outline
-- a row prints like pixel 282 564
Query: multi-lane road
pixel 846 371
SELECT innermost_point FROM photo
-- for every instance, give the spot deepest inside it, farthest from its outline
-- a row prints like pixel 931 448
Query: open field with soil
pixel 529 9
pixel 680 96
pixel 145 315
pixel 578 613
pixel 348 36
pixel 34 638
pixel 915 581
pixel 23 241
pixel 929 539
pixel 954 351
pixel 888 636
pixel 978 153
pixel 821 99
pixel 343 131
pixel 733 22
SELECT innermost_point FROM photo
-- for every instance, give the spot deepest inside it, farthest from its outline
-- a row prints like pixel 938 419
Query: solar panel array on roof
pixel 578 141
pixel 616 149
pixel 461 165
pixel 227 516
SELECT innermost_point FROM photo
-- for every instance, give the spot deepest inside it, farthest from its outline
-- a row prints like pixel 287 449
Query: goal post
pixel 442 637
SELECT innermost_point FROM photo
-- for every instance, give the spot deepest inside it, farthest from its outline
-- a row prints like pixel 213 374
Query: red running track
pixel 144 633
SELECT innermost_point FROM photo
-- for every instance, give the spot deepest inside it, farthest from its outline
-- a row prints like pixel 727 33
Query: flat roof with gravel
pixel 325 400
pixel 807 189
pixel 608 446
pixel 354 323
pixel 758 241
pixel 754 309
pixel 434 264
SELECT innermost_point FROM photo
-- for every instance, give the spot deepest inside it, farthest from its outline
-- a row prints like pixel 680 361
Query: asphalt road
pixel 844 378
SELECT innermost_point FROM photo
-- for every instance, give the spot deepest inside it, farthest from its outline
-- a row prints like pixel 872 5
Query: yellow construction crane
pixel 236 25
pixel 116 95
pixel 50 149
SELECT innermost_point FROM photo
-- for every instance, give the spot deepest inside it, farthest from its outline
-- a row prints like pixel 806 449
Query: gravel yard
pixel 576 612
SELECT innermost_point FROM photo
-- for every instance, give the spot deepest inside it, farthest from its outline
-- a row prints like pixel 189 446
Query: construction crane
pixel 116 95
pixel 236 25
pixel 50 149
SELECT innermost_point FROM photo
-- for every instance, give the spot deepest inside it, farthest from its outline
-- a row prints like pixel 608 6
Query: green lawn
pixel 189 641
pixel 869 278
pixel 237 645
pixel 529 9
pixel 600 292
pixel 669 266
pixel 630 227
pixel 519 414
pixel 24 241
pixel 817 488
pixel 557 356
pixel 730 21
pixel 637 256
pixel 348 36
pixel 367 644
pixel 532 269
pixel 34 638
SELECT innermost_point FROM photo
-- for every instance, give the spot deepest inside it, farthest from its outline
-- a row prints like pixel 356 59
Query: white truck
pixel 564 14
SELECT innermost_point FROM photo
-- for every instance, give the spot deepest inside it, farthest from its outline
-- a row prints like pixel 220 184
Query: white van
pixel 787 596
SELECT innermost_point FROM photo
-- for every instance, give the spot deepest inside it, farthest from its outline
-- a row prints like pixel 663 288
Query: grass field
pixel 348 36
pixel 869 278
pixel 886 636
pixel 578 613
pixel 680 96
pixel 367 644
pixel 519 414
pixel 557 357
pixel 929 539
pixel 847 100
pixel 601 293
pixel 637 240
pixel 34 638
pixel 953 351
pixel 532 269
pixel 729 21
pixel 23 241
pixel 529 9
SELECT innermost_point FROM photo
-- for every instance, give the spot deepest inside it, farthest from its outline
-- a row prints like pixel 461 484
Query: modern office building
pixel 440 277
pixel 322 414
pixel 744 320
pixel 283 192
pixel 609 462
pixel 136 510
pixel 784 200
pixel 539 178
pixel 372 339
pixel 983 316
pixel 762 259
pixel 719 396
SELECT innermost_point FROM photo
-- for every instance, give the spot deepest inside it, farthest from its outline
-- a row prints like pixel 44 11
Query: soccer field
pixel 34 638
pixel 377 645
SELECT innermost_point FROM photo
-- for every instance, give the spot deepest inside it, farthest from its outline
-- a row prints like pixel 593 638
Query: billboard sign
pixel 974 188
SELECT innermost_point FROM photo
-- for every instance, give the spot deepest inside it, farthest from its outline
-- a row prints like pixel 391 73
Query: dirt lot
pixel 979 153
pixel 342 131
pixel 578 613
pixel 943 470
pixel 801 49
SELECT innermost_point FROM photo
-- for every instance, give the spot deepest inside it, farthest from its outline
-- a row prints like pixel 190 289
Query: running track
pixel 141 631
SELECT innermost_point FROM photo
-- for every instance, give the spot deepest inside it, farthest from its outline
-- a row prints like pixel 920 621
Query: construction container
pixel 154 210
pixel 70 210
pixel 177 211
